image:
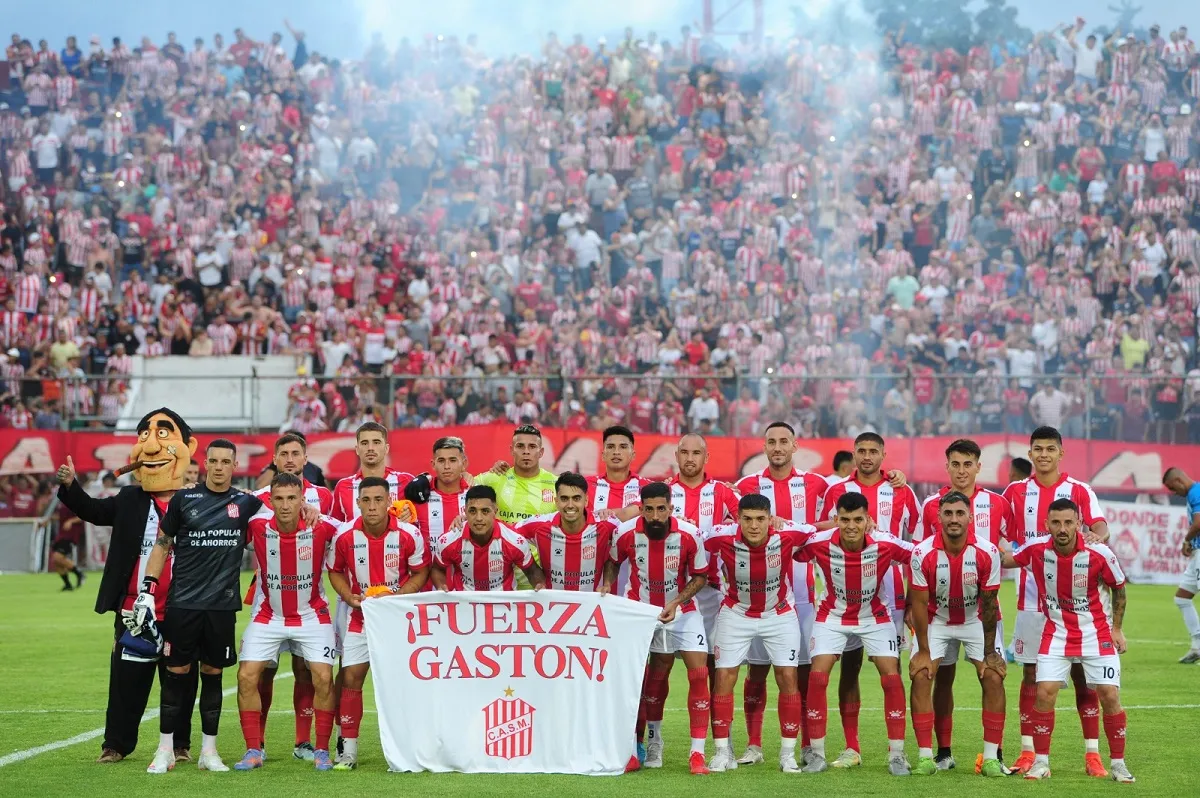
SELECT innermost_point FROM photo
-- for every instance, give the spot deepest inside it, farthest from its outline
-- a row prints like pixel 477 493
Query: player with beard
pixel 990 518
pixel 291 457
pixel 572 545
pixel 894 511
pixel 1031 500
pixel 486 553
pixel 953 589
pixel 669 565
pixel 755 560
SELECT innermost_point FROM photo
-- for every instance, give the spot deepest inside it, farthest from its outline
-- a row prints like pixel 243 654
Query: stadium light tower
pixel 712 18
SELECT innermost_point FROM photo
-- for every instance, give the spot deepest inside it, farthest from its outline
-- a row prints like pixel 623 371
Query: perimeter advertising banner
pixel 508 682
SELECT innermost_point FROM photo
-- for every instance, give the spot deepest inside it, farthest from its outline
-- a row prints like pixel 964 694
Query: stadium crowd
pixel 847 237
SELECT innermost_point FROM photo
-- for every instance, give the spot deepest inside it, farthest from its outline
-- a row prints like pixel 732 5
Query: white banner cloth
pixel 1147 539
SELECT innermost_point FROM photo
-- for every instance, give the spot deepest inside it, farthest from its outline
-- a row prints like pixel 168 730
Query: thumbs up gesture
pixel 66 472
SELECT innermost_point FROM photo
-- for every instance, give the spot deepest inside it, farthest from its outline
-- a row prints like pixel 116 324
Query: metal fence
pixel 1106 406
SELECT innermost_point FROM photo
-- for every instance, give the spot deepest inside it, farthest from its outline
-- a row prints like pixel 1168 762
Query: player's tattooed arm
pixel 535 575
pixel 989 613
pixel 693 587
pixel 609 579
pixel 1118 616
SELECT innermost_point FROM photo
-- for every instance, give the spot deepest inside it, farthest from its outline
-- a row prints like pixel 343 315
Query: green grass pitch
pixel 53 689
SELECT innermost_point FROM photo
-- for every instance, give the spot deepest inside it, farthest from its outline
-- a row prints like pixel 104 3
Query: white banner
pixel 508 682
pixel 1147 539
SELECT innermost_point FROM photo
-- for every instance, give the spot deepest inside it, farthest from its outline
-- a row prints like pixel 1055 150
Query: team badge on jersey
pixel 774 560
pixel 508 729
pixel 671 562
pixel 868 570
pixel 232 510
pixel 391 560
pixel 547 495
pixel 885 508
pixel 969 578
pixel 588 552
pixel 706 508
pixel 797 501
pixel 1079 580
pixel 304 553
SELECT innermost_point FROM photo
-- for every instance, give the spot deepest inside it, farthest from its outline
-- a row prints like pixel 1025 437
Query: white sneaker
pixel 1191 657
pixel 847 759
pixel 1039 771
pixel 345 762
pixel 723 761
pixel 806 753
pixel 212 761
pixel 815 763
pixel 752 756
pixel 787 763
pixel 898 765
pixel 654 754
pixel 1120 772
pixel 164 760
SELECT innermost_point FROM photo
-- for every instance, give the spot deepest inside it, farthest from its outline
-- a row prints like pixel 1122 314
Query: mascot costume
pixel 158 461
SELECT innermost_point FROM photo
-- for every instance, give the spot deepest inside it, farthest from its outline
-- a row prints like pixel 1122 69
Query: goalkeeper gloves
pixel 143 607
pixel 418 490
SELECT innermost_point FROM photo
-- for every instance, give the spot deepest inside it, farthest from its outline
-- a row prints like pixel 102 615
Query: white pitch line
pixel 30 753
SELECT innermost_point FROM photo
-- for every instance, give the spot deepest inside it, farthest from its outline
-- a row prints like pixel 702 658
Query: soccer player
pixel 374 550
pixel 755 560
pixel 524 489
pixel 572 545
pixel 1078 581
pixel 372 447
pixel 486 553
pixel 1181 484
pixel 989 518
pixel 291 457
pixel 1031 499
pixel 616 493
pixel 953 588
pixel 894 511
pixel 289 609
pixel 668 566
pixel 843 465
pixel 205 527
pixel 1019 469
pixel 855 562
pixel 794 496
pixel 447 493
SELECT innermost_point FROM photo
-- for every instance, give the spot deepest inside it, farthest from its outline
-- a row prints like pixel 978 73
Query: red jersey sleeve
pixel 993 568
pixel 447 550
pixel 516 548
pixel 917 579
pixel 728 498
pixel 325 499
pixel 418 552
pixel 1109 570
pixel 338 553
pixel 697 556
pixel 829 503
pixel 1089 505
pixel 1024 555
pixel 927 526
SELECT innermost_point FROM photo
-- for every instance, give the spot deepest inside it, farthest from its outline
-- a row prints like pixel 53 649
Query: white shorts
pixel 897 620
pixel 685 633
pixel 262 642
pixel 341 619
pixel 945 642
pixel 354 649
pixel 1191 575
pixel 780 636
pixel 879 639
pixel 708 603
pixel 805 614
pixel 1028 639
pixel 1098 670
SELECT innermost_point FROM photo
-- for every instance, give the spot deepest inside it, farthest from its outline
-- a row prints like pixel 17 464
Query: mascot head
pixel 165 447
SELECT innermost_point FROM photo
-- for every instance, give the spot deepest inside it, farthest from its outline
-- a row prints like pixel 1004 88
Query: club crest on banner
pixel 508 729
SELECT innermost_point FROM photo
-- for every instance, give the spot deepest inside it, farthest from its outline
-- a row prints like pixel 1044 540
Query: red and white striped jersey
pixel 388 560
pixel 314 495
pixel 1076 599
pixel 954 581
pixel 756 578
pixel 345 492
pixel 605 495
pixel 470 566
pixel 855 581
pixel 1031 502
pixel 797 498
pixel 570 562
pixel 435 516
pixel 288 568
pixel 991 517
pixel 705 506
pixel 659 569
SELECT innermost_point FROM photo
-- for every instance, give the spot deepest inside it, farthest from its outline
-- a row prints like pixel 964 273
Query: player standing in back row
pixel 1031 500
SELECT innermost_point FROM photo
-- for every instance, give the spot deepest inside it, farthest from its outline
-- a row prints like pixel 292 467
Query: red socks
pixel 324 728
pixel 722 716
pixel 943 727
pixel 654 694
pixel 1042 724
pixel 351 712
pixel 922 723
pixel 849 713
pixel 266 691
pixel 1026 702
pixel 754 703
pixel 791 715
pixel 802 682
pixel 993 727
pixel 699 702
pixel 252 728
pixel 302 701
pixel 817 713
pixel 641 716
pixel 1088 704
pixel 1114 729
pixel 894 705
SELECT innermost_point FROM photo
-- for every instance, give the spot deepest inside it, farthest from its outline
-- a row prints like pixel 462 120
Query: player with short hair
pixel 893 508
pixel 989 518
pixel 1031 499
pixel 372 447
pixel 375 551
pixel 524 489
pixel 205 527
pixel 755 560
pixel 842 465
pixel 617 492
pixel 668 566
pixel 572 546
pixel 291 457
pixel 855 561
pixel 440 501
pixel 289 609
pixel 1082 590
pixel 486 553
pixel 1019 469
pixel 1181 484
pixel 953 589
